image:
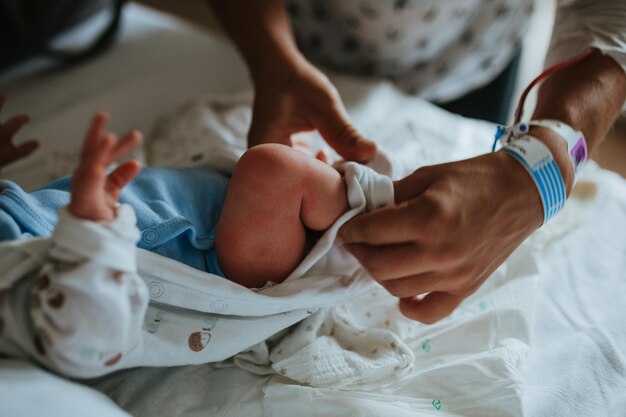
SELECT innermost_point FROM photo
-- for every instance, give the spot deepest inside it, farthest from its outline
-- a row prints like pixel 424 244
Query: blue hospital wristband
pixel 535 156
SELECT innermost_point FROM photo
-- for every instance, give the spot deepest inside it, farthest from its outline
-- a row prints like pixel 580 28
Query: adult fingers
pixel 388 225
pixel 9 128
pixel 436 305
pixel 415 285
pixel 121 176
pixel 432 307
pixel 407 221
pixel 26 148
pixel 412 185
pixel 393 261
pixel 339 133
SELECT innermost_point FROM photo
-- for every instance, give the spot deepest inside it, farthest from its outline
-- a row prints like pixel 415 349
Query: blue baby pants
pixel 177 212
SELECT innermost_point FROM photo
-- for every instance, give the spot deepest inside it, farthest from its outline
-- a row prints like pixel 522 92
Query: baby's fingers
pixel 95 136
pixel 121 176
pixel 124 145
pixel 9 128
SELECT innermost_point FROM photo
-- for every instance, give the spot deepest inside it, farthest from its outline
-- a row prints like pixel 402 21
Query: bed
pixel 544 337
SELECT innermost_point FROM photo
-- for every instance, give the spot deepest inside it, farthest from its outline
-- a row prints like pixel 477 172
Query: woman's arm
pixel 291 95
pixel 262 32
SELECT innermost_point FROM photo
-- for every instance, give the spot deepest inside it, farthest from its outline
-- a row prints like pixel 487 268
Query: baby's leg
pixel 275 194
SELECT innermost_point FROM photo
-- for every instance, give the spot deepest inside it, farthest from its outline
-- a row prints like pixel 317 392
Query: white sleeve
pixel 88 303
pixel 580 24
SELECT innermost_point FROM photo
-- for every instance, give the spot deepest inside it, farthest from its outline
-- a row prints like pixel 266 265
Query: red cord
pixel 557 67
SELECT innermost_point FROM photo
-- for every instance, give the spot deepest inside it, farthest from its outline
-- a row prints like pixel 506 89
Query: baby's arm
pixel 276 193
pixel 87 303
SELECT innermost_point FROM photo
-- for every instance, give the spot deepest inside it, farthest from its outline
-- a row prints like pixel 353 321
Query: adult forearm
pixel 261 31
pixel 588 96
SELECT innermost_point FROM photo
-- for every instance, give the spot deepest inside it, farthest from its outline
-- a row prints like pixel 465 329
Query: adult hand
pixel 9 152
pixel 94 191
pixel 296 98
pixel 451 227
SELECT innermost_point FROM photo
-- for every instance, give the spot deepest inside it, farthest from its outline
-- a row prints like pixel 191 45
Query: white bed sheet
pixel 577 362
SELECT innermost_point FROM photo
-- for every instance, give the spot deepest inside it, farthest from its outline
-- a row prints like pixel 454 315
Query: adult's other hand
pixel 9 152
pixel 452 225
pixel 301 98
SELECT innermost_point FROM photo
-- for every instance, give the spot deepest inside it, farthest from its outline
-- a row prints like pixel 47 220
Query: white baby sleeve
pixel 88 302
pixel 581 24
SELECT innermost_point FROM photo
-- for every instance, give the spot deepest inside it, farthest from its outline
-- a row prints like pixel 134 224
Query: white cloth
pixel 89 300
pixel 73 302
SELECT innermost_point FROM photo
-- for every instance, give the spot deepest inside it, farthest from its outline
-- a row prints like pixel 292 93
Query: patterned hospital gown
pixel 437 49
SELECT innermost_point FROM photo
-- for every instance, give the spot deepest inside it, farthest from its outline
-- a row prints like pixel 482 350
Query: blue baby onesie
pixel 177 212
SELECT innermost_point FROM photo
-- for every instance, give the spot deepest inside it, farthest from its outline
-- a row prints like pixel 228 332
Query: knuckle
pixel 450 254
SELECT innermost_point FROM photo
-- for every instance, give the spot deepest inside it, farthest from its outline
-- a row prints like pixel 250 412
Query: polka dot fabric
pixel 438 50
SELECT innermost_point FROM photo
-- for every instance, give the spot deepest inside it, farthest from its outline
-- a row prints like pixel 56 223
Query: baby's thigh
pixel 260 235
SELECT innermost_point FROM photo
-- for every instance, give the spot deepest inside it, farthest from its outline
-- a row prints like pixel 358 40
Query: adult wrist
pixel 275 65
pixel 523 200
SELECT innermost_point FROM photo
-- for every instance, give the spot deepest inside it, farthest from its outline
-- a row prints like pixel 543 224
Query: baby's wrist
pixel 99 216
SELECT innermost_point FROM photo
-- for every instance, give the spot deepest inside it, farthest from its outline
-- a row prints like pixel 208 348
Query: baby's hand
pixel 10 153
pixel 94 192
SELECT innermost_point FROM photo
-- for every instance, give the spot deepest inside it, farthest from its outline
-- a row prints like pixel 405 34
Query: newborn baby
pixel 250 229
pixel 75 302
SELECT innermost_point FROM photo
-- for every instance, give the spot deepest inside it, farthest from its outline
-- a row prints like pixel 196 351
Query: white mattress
pixel 577 361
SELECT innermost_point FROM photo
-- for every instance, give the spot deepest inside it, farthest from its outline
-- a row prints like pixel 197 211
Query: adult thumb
pixel 338 132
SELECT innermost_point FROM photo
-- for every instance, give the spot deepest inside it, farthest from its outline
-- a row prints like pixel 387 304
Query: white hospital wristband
pixel 576 145
pixel 577 151
pixel 535 156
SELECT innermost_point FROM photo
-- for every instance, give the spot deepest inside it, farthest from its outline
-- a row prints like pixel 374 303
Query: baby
pixel 75 302
pixel 250 229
